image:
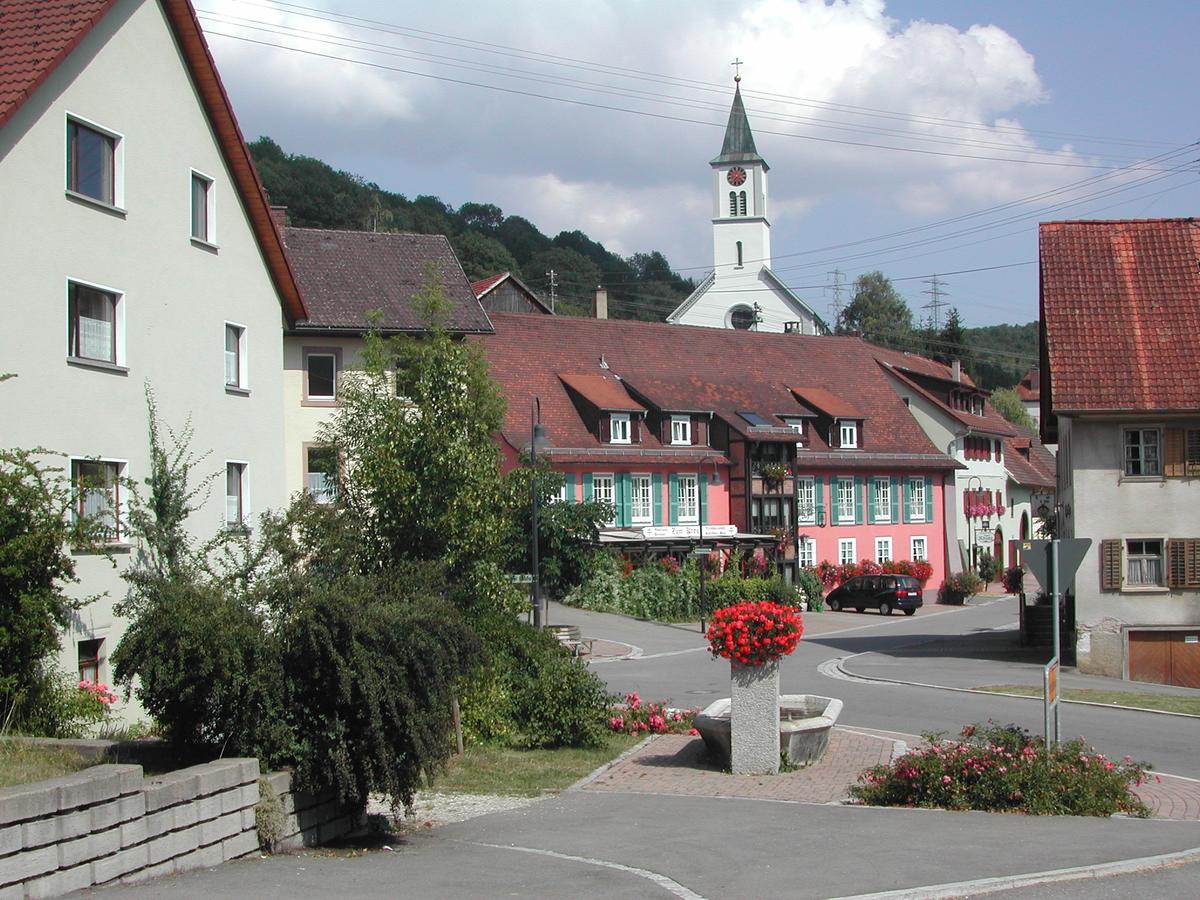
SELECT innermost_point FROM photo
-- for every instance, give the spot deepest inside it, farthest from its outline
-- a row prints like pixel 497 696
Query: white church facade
pixel 741 291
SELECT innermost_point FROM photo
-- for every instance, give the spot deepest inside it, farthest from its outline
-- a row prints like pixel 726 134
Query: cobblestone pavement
pixel 1171 797
pixel 675 764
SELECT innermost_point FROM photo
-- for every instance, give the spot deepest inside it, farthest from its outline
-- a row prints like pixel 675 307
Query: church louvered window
pixel 742 203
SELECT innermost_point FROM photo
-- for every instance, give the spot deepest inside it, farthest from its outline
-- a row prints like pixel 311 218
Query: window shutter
pixel 569 487
pixel 695 431
pixel 1192 464
pixel 588 495
pixel 605 428
pixel 1110 565
pixel 928 499
pixel 1184 563
pixel 858 500
pixel 906 500
pixel 673 491
pixel 656 499
pixel 1174 455
pixel 819 496
pixel 870 486
pixel 635 428
pixel 895 496
pixel 623 492
pixel 861 431
pixel 702 493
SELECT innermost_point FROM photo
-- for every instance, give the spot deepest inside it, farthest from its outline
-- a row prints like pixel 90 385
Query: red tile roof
pixel 827 402
pixel 681 368
pixel 345 275
pixel 37 35
pixel 1120 306
pixel 483 286
pixel 1029 388
pixel 1028 461
pixel 603 391
pixel 991 422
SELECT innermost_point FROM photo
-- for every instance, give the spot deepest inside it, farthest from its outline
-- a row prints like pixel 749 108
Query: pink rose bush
pixel 639 719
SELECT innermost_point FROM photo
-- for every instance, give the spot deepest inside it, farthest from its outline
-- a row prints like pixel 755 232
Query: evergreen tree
pixel 878 312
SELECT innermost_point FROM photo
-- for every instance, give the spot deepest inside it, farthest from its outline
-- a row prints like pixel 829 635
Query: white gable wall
pixel 128 76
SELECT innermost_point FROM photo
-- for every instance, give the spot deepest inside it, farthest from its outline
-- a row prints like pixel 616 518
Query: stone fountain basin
pixel 804 724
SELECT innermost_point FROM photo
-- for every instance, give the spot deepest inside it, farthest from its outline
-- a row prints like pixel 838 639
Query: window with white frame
pixel 1142 451
pixel 94 162
pixel 916 500
pixel 806 503
pixel 95 323
pixel 618 424
pixel 236 508
pixel 845 501
pixel 808 553
pixel 882 489
pixel 848 435
pixel 847 551
pixel 1144 563
pixel 641 508
pixel 603 491
pixel 918 549
pixel 321 372
pixel 90 659
pixel 97 496
pixel 681 429
pixel 883 549
pixel 320 464
pixel 235 356
pixel 688 500
pixel 204 209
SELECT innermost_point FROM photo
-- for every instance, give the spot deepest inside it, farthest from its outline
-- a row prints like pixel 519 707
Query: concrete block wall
pixel 109 823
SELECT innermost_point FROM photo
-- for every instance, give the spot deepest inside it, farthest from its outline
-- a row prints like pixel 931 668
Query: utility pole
pixel 936 303
pixel 553 276
pixel 836 289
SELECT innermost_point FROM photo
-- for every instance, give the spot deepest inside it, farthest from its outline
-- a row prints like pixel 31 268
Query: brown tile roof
pixel 37 35
pixel 603 391
pixel 991 422
pixel 1120 306
pixel 1029 387
pixel 827 402
pixel 715 370
pixel 1028 461
pixel 344 275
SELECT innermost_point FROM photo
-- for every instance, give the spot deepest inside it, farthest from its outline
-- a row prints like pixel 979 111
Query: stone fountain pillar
pixel 754 723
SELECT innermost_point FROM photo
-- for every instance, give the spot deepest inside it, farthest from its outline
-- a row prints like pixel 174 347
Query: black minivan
pixel 882 592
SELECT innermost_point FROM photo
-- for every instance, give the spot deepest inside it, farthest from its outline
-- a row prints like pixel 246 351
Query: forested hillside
pixel 991 345
pixel 487 242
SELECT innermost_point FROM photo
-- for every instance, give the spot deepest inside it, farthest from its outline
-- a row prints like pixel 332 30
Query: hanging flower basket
pixel 754 633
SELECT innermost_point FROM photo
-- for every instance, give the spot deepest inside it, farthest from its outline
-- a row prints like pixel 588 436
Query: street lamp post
pixel 537 441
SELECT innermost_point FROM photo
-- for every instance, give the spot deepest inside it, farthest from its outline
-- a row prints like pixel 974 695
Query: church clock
pixel 736 176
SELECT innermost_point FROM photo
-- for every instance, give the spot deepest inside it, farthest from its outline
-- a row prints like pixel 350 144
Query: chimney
pixel 956 370
pixel 600 303
pixel 279 217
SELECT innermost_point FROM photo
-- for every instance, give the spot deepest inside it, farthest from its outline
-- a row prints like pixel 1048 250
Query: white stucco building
pixel 138 250
pixel 741 291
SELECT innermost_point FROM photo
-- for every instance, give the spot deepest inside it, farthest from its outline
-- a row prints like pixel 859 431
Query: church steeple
pixel 739 139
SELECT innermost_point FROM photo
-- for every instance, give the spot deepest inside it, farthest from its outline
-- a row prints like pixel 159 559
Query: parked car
pixel 881 592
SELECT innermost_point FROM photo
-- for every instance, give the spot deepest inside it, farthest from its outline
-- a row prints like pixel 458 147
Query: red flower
pixel 754 633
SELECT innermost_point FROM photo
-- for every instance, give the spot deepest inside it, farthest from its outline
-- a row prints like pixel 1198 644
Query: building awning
pixel 681 538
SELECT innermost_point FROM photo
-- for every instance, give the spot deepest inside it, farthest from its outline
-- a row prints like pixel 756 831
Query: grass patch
pixel 1136 699
pixel 526 773
pixel 21 763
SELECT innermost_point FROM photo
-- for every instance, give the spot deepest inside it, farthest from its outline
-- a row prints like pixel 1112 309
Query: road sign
pixel 1052 682
pixel 1071 551
pixel 520 579
pixel 701 551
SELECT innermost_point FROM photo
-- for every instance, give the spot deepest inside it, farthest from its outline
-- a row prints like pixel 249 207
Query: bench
pixel 572 638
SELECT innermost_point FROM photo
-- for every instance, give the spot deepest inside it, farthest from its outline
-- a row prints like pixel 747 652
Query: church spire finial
pixel 737 69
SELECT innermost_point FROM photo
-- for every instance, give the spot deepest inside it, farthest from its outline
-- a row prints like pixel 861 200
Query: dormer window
pixel 681 430
pixel 848 435
pixel 619 428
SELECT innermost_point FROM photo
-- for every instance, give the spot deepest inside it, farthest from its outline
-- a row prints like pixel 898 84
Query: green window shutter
pixel 906 500
pixel 673 489
pixel 895 495
pixel 569 486
pixel 858 500
pixel 624 497
pixel 870 486
pixel 928 499
pixel 702 493
pixel 656 491
pixel 819 495
pixel 588 496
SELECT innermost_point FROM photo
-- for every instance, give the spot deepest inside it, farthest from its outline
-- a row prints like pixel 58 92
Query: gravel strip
pixel 433 808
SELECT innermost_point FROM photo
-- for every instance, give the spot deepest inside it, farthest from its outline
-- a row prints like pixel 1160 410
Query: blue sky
pixel 1062 93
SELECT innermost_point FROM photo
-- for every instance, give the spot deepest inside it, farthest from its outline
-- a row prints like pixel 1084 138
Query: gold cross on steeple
pixel 737 69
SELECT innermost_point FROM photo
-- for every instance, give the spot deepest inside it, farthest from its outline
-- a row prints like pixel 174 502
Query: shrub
pixel 988 567
pixel 1014 579
pixel 61 706
pixel 811 587
pixel 601 585
pixel 754 633
pixel 659 593
pixel 1003 769
pixel 959 586
pixel 636 718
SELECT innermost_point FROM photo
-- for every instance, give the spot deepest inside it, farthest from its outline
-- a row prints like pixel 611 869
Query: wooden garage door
pixel 1165 657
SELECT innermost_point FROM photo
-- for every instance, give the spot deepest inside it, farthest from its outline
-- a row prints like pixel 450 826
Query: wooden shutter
pixel 702 495
pixel 569 487
pixel 928 499
pixel 870 486
pixel 1192 452
pixel 623 489
pixel 1183 563
pixel 697 424
pixel 673 490
pixel 1110 565
pixel 605 428
pixel 1174 459
pixel 905 500
pixel 896 500
pixel 656 497
pixel 819 496
pixel 858 500
pixel 635 428
pixel 588 494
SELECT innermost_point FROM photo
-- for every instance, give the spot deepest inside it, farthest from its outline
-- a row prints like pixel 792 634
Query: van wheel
pixel 910 612
pixel 859 608
pixel 833 605
pixel 885 608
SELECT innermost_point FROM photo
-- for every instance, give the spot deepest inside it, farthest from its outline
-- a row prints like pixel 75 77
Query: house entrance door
pixel 998 547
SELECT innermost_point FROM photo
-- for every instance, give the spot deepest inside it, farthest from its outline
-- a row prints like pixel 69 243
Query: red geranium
pixel 754 633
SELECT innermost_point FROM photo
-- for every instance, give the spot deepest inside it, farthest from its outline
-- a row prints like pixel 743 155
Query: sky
pixel 913 137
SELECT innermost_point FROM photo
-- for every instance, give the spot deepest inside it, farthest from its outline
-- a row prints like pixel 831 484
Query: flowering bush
pixel 754 633
pixel 958 587
pixel 979 510
pixel 1014 579
pixel 100 693
pixel 637 718
pixel 1003 769
pixel 833 575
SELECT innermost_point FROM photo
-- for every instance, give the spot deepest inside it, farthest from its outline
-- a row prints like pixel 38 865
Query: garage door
pixel 1165 657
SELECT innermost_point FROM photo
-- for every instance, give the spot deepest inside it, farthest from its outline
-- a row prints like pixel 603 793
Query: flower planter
pixel 804 723
pixel 952 598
